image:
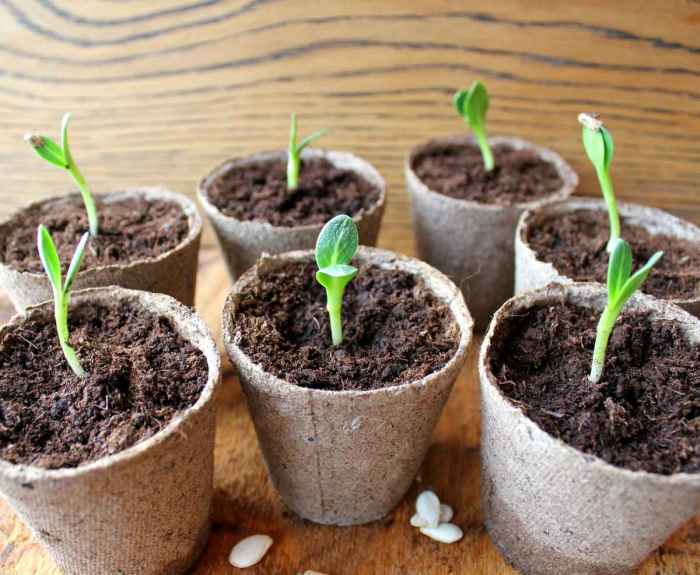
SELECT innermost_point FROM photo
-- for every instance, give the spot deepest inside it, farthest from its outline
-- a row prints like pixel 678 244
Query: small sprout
pixel 61 289
pixel 598 143
pixel 621 285
pixel 294 153
pixel 335 247
pixel 472 105
pixel 61 156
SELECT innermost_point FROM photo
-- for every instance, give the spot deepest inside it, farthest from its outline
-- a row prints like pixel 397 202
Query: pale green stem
pixel 335 308
pixel 611 203
pixel 61 312
pixel 292 171
pixel 603 331
pixel 88 200
pixel 486 152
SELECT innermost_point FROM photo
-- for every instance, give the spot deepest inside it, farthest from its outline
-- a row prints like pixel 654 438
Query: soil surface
pixel 141 374
pixel 130 229
pixel 259 192
pixel 644 414
pixel 395 330
pixel 457 170
pixel 574 243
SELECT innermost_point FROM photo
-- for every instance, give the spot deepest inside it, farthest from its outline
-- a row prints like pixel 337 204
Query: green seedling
pixel 61 156
pixel 472 105
pixel 621 285
pixel 335 247
pixel 294 153
pixel 598 143
pixel 61 289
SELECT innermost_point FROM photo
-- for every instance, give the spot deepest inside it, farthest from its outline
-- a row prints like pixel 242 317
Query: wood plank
pixel 246 503
pixel 162 92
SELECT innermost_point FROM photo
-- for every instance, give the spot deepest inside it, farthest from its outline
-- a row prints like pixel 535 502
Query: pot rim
pixel 181 315
pixel 568 175
pixel 555 291
pixel 188 207
pixel 334 156
pixel 455 303
pixel 626 209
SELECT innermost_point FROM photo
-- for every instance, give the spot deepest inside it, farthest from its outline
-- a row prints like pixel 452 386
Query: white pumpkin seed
pixel 444 533
pixel 249 551
pixel 313 573
pixel 446 513
pixel 428 507
pixel 418 521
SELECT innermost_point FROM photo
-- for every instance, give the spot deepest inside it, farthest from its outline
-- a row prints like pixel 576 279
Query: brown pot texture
pixel 173 273
pixel 471 242
pixel 243 242
pixel 552 509
pixel 532 273
pixel 346 457
pixel 145 510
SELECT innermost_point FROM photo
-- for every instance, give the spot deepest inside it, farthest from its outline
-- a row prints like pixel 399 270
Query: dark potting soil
pixel 259 192
pixel 457 170
pixel 130 229
pixel 574 243
pixel 644 414
pixel 141 374
pixel 395 330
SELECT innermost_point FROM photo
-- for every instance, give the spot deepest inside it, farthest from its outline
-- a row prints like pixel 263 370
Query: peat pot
pixel 531 272
pixel 346 457
pixel 243 242
pixel 472 242
pixel 144 510
pixel 552 509
pixel 173 273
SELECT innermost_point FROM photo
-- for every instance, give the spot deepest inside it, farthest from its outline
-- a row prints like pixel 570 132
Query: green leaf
pixel 609 147
pixel 337 242
pixel 312 138
pixel 47 149
pixel 49 258
pixel 619 267
pixel 473 105
pixel 293 136
pixel 64 139
pixel 75 263
pixel 635 282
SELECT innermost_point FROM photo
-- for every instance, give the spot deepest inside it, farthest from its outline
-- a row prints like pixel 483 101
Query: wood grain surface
pixel 163 91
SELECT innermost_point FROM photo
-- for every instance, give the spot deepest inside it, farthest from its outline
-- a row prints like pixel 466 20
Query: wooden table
pixel 161 92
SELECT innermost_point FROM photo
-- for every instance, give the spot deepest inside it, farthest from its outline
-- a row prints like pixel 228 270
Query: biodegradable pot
pixel 173 273
pixel 145 510
pixel 243 242
pixel 532 273
pixel 472 242
pixel 552 509
pixel 346 457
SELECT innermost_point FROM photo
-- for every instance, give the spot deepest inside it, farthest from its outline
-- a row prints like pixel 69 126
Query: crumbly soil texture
pixel 141 373
pixel 259 192
pixel 457 170
pixel 644 414
pixel 395 330
pixel 574 243
pixel 130 229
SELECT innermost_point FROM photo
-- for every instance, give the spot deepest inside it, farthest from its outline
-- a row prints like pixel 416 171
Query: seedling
pixel 61 156
pixel 335 247
pixel 472 105
pixel 598 143
pixel 621 285
pixel 294 153
pixel 61 289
